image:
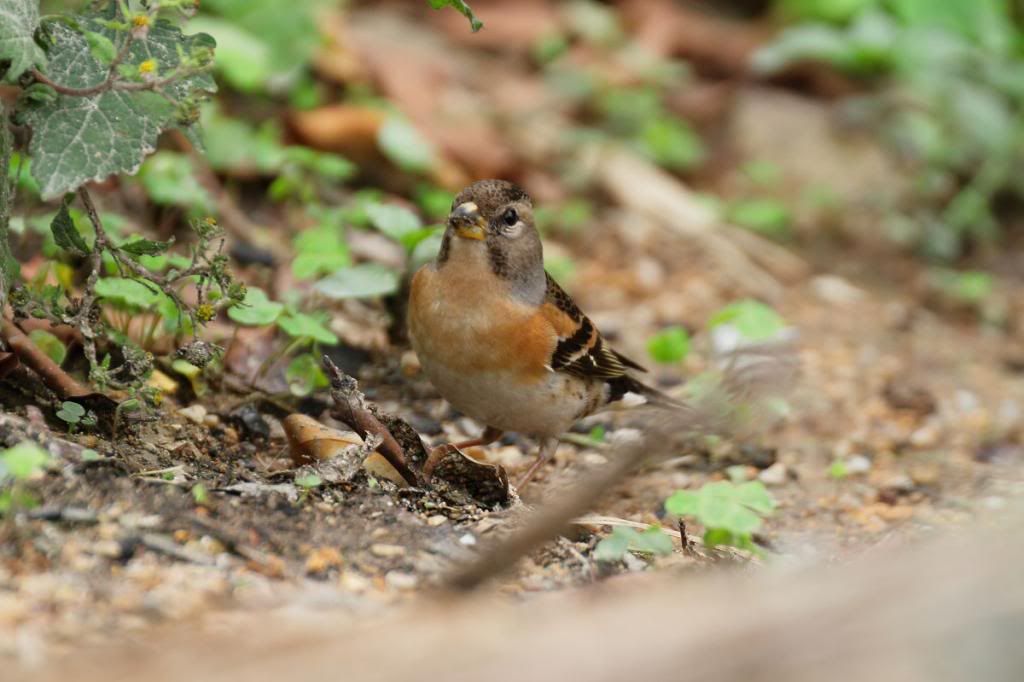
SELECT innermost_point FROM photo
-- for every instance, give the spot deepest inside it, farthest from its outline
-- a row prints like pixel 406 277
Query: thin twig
pixel 350 408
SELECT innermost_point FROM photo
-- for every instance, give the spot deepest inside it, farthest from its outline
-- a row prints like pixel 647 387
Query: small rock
pixel 594 459
pixel 400 580
pixel 776 474
pixel 836 290
pixel 354 582
pixel 322 559
pixel 410 364
pixel 387 551
pixel 857 464
pixel 437 520
pixel 468 540
pixel 194 413
pixel 907 393
pixel 925 437
pixel 211 420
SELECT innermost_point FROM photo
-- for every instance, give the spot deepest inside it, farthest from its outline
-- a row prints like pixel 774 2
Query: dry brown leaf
pixel 309 441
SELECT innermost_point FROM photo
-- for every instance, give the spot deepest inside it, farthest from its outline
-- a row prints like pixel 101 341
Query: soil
pixel 923 406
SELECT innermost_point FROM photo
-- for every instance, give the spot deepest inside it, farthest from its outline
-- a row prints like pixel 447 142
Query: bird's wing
pixel 579 349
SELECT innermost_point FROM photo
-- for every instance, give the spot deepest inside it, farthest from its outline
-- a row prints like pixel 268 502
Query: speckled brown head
pixel 495 217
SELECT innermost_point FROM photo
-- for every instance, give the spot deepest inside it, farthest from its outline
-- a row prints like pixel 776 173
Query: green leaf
pixel 65 234
pixel 396 222
pixel 170 179
pixel 615 546
pixel 18 22
pixel 78 139
pixel 146 247
pixel 623 539
pixel 671 142
pixel 289 38
pixel 669 346
pixel 836 11
pixel 70 412
pixel 49 344
pixel 24 460
pixel 767 216
pixel 682 503
pixel 461 7
pixel 255 310
pixel 302 326
pixel 308 481
pixel 725 506
pixel 359 281
pixel 131 293
pixel 754 320
pixel 245 60
pixel 405 146
pixel 101 47
pixel 319 251
pixel 304 375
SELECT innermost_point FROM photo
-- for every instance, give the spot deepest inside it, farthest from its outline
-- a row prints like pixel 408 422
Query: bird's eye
pixel 510 217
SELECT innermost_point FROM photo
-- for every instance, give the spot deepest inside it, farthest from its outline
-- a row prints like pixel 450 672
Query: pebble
pixel 437 520
pixel 836 290
pixel 776 474
pixel 211 420
pixel 400 580
pixel 468 540
pixel 387 551
pixel 194 413
pixel 857 464
pixel 925 437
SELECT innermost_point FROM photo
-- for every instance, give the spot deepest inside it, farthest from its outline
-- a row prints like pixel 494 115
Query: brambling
pixel 499 338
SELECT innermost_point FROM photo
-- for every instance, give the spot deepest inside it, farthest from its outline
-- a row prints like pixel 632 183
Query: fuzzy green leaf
pixel 65 234
pixel 405 146
pixel 396 222
pixel 754 320
pixel 78 139
pixel 18 22
pixel 146 247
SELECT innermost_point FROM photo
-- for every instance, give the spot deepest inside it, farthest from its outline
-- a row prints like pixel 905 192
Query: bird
pixel 497 336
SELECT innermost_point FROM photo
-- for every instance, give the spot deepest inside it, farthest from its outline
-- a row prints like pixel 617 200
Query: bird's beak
pixel 467 221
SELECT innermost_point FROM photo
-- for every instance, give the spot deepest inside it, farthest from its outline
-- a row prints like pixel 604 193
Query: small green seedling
pixel 19 465
pixel 74 415
pixel 669 346
pixel 652 541
pixel 730 513
pixel 307 483
pixel 200 494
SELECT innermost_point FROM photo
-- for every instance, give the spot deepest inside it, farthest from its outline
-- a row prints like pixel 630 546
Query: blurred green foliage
pixel 947 87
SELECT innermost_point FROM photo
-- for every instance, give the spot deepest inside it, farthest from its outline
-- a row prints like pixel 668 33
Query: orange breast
pixel 467 322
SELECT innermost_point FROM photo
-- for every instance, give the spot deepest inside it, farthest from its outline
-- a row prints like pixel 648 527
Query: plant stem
pixel 6 199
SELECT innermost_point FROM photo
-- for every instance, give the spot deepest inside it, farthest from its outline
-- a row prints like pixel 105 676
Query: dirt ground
pixel 923 404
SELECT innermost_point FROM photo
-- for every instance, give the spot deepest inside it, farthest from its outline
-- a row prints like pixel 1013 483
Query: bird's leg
pixel 437 454
pixel 547 448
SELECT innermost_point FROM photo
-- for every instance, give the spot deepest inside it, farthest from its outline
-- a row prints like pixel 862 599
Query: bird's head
pixel 494 218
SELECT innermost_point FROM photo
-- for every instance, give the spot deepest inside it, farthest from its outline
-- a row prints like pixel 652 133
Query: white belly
pixel 545 408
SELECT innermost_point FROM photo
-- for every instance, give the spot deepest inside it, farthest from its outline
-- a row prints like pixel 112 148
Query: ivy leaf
pixel 358 281
pixel 300 325
pixel 65 234
pixel 78 139
pixel 462 8
pixel 623 539
pixel 146 247
pixel 18 22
